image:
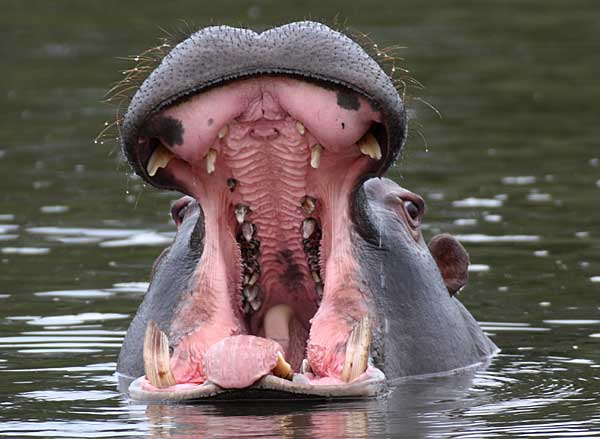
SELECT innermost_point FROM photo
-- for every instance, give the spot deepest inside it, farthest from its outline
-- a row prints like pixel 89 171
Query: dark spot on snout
pixel 291 274
pixel 167 128
pixel 347 100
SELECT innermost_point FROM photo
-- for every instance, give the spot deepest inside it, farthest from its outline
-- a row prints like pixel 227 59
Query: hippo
pixel 298 270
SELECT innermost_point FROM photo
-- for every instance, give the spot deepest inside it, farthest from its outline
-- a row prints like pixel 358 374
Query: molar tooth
pixel 240 212
pixel 253 278
pixel 283 369
pixel 247 308
pixel 357 350
pixel 247 231
pixel 157 365
pixel 300 128
pixel 223 131
pixel 368 145
pixel 160 158
pixel 256 303
pixel 315 155
pixel 319 289
pixel 251 292
pixel 308 205
pixel 316 276
pixel 308 227
pixel 211 160
pixel 231 183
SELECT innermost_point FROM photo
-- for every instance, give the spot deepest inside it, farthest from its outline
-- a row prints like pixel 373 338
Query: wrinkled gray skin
pixel 426 329
pixel 422 328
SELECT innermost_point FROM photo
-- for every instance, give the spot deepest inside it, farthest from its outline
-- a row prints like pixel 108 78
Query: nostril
pixel 179 209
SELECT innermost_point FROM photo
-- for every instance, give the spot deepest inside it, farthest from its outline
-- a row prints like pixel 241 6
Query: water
pixel 512 167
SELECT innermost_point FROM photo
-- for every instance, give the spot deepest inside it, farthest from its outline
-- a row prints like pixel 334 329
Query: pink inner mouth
pixel 277 260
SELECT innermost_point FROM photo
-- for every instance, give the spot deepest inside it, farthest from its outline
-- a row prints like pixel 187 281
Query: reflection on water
pixel 512 168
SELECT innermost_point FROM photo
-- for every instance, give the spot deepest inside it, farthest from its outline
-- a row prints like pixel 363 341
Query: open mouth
pixel 273 161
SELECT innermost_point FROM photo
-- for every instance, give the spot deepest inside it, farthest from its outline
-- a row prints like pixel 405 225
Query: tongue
pixel 239 361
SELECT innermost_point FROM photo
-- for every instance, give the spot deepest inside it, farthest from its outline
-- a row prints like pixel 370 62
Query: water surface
pixel 512 167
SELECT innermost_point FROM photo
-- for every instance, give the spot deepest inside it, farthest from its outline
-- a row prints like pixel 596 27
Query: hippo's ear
pixel 452 259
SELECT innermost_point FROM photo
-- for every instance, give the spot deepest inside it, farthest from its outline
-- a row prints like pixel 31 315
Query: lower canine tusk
pixel 157 364
pixel 283 369
pixel 357 350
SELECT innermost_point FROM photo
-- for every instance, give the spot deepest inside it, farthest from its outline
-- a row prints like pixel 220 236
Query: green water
pixel 512 166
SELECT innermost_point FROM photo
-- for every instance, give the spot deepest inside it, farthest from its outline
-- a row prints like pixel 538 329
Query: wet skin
pixel 297 269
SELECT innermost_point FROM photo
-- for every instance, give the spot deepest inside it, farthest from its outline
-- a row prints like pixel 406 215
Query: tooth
pixel 308 227
pixel 316 276
pixel 157 365
pixel 223 131
pixel 246 308
pixel 300 128
pixel 256 303
pixel 211 160
pixel 357 350
pixel 319 289
pixel 248 231
pixel 231 183
pixel 160 158
pixel 305 367
pixel 253 278
pixel 368 145
pixel 250 292
pixel 308 205
pixel 315 155
pixel 283 369
pixel 240 212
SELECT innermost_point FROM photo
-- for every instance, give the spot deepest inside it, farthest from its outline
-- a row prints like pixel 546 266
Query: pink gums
pixel 268 153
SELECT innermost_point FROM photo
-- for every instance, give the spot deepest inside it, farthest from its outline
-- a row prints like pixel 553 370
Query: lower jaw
pixel 216 309
pixel 301 386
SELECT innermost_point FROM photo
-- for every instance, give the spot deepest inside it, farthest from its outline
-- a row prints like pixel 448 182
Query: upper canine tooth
pixel 157 365
pixel 223 131
pixel 240 211
pixel 300 128
pixel 211 160
pixel 368 145
pixel 357 350
pixel 160 158
pixel 315 155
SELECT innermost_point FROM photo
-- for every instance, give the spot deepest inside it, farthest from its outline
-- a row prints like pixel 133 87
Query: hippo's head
pixel 295 269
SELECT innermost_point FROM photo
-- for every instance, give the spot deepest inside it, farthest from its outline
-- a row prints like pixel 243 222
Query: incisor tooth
pixel 157 365
pixel 315 155
pixel 300 128
pixel 357 350
pixel 160 158
pixel 223 131
pixel 283 369
pixel 368 145
pixel 211 160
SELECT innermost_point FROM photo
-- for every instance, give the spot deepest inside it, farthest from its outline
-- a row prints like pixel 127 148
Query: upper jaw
pixel 217 55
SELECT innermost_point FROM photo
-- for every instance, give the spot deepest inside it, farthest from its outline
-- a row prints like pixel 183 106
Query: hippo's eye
pixel 412 209
pixel 179 209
